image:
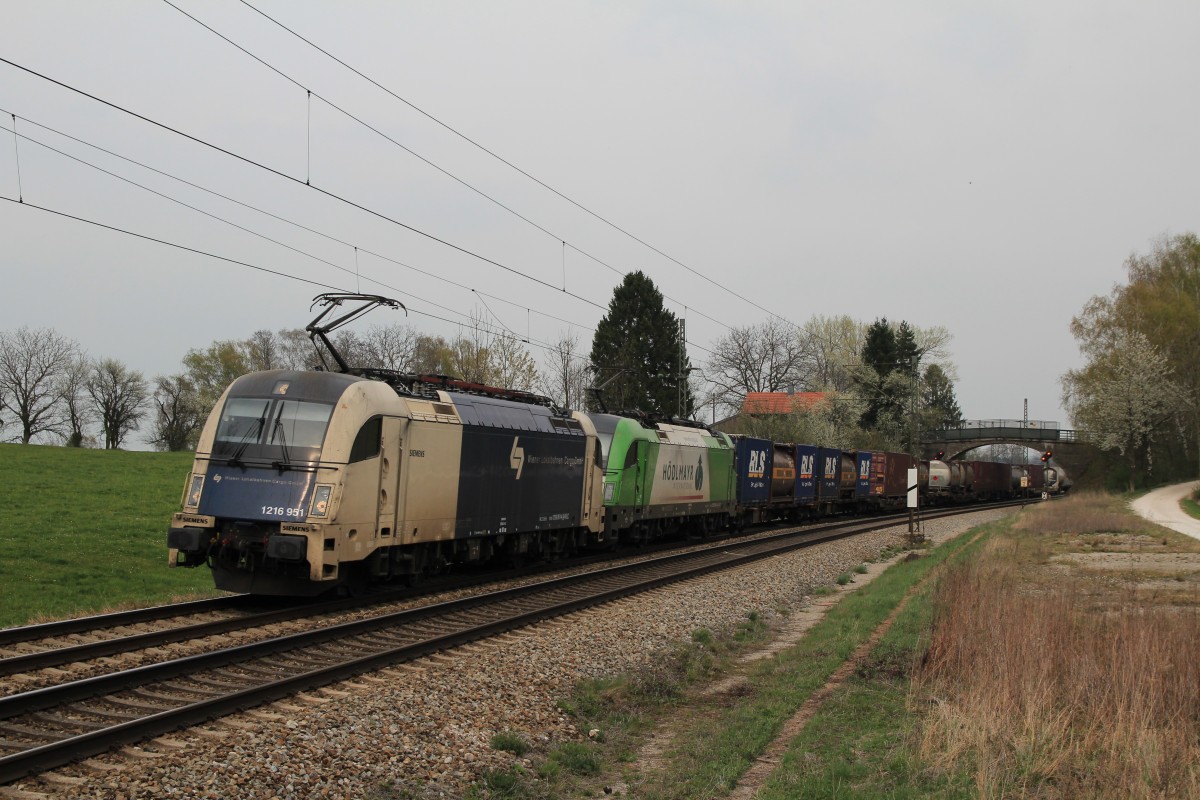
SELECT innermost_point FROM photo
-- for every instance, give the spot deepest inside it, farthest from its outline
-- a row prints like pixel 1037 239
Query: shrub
pixel 510 743
pixel 577 757
pixel 843 579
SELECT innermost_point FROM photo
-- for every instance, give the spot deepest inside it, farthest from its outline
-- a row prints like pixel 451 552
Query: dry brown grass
pixel 1082 513
pixel 1037 693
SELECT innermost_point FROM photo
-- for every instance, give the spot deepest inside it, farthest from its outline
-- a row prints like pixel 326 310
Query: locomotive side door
pixel 389 479
pixel 641 494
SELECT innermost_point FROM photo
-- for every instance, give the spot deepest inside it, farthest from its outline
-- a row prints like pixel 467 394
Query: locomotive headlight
pixel 320 502
pixel 193 495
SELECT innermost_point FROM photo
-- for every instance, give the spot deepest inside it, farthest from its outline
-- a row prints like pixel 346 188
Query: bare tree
pixel 391 347
pixel 470 353
pixel 511 364
pixel 770 357
pixel 119 395
pixel 179 415
pixel 72 386
pixel 32 363
pixel 566 377
pixel 263 351
pixel 295 349
pixel 934 346
pixel 835 344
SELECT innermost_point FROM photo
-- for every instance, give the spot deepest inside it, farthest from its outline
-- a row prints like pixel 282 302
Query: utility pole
pixel 679 369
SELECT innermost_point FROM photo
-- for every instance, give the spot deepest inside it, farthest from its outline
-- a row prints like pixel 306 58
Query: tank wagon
pixel 310 481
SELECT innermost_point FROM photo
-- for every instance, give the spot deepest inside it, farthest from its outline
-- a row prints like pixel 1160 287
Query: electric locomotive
pixel 310 481
pixel 307 481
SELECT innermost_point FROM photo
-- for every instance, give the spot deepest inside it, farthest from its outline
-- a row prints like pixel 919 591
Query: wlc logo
pixel 516 457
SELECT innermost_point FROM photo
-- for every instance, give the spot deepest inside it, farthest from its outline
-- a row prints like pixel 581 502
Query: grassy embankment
pixel 1191 505
pixel 86 530
pixel 1055 655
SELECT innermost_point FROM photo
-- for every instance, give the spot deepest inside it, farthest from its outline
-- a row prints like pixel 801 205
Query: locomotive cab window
pixel 367 442
pixel 271 428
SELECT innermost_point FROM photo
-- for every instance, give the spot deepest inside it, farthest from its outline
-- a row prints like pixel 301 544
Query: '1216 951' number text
pixel 280 511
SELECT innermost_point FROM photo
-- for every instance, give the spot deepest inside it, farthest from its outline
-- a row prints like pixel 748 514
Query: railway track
pixel 48 727
pixel 26 650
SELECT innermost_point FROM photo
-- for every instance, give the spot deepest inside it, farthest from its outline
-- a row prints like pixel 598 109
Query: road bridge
pixel 1071 454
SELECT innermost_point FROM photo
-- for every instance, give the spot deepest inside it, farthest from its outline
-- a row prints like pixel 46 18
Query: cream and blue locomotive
pixel 304 481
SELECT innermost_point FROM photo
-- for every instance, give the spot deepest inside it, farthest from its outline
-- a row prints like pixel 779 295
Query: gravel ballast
pixel 426 726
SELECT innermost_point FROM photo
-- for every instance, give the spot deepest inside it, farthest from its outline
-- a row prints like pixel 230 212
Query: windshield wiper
pixel 286 463
pixel 244 442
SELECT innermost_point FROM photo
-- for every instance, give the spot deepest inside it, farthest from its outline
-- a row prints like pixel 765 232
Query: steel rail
pixel 726 555
pixel 66 627
pixel 57 656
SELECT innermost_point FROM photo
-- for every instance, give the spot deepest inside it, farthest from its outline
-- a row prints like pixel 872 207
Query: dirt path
pixel 650 755
pixel 754 778
pixel 652 752
pixel 1162 508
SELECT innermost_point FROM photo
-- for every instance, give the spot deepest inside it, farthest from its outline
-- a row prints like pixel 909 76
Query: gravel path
pixel 1162 507
pixel 426 726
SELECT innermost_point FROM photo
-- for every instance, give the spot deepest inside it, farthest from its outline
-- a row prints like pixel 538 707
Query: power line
pixel 492 331
pixel 310 94
pixel 248 230
pixel 277 173
pixel 277 217
pixel 285 220
pixel 277 273
pixel 513 166
pixel 285 176
pixel 170 244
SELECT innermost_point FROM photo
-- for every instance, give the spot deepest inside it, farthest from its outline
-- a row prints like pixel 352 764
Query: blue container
pixel 862 486
pixel 807 463
pixel 829 473
pixel 754 458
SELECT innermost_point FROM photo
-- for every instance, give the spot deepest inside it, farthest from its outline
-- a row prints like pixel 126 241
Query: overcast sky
pixel 983 166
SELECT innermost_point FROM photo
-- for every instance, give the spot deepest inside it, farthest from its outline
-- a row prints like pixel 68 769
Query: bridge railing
pixel 1003 429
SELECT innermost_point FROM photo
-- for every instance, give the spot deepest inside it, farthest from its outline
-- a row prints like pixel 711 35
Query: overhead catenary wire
pixel 310 94
pixel 285 176
pixel 172 244
pixel 471 321
pixel 243 228
pixel 278 173
pixel 513 166
pixel 248 265
pixel 264 212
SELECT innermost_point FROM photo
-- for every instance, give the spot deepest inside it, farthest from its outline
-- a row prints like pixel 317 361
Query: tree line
pixel 1138 393
pixel 877 385
pixel 873 378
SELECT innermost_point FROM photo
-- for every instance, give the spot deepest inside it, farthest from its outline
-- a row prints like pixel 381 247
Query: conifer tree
pixel 638 342
pixel 879 357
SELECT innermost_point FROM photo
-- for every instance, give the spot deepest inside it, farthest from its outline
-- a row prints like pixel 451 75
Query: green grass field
pixel 86 530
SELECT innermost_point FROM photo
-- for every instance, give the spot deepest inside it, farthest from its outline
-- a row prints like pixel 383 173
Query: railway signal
pixel 1046 455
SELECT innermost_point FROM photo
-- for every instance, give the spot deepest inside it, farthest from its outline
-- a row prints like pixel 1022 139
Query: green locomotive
pixel 661 478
